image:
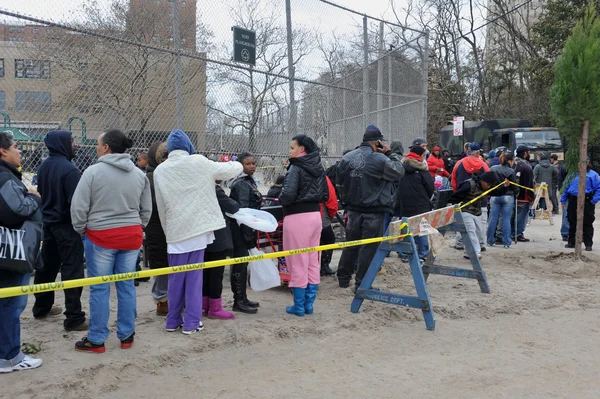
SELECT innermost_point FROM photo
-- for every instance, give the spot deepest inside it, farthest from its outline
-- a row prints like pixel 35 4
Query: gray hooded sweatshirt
pixel 112 193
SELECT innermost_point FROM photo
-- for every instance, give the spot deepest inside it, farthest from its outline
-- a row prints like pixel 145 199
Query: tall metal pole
pixel 177 46
pixel 380 79
pixel 291 69
pixel 426 82
pixel 366 104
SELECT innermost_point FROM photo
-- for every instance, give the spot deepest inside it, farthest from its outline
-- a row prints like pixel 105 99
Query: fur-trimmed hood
pixel 412 165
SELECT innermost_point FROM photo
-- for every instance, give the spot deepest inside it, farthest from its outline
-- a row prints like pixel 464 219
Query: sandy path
pixel 536 336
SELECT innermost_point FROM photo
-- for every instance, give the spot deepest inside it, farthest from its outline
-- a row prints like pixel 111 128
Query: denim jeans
pixel 500 206
pixel 522 216
pixel 564 227
pixel 10 320
pixel 102 262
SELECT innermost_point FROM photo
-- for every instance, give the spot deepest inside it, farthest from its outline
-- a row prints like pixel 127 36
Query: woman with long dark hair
pixel 304 189
pixel 111 205
pixel 502 200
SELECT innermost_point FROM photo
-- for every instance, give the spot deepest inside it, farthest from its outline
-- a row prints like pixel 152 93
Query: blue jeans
pixel 500 206
pixel 422 246
pixel 103 262
pixel 10 320
pixel 564 227
pixel 522 216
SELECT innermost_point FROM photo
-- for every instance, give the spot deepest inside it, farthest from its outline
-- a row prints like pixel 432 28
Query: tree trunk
pixel 583 143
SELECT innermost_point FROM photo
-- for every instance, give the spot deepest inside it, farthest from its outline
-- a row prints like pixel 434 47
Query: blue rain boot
pixel 311 295
pixel 299 299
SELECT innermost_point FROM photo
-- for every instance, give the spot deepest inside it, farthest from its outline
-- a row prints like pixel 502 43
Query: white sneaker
pixel 200 328
pixel 27 363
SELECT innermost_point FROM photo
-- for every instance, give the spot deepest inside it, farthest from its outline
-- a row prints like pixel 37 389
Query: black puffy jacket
pixel 504 172
pixel 415 189
pixel 223 241
pixel 305 186
pixel 245 192
pixel 155 235
pixel 366 179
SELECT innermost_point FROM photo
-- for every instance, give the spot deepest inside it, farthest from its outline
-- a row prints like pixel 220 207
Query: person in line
pixel 245 192
pixel 436 164
pixel 189 213
pixel 464 170
pixel 415 191
pixel 422 142
pixel 304 189
pixel 366 183
pixel 465 152
pixel 111 206
pixel 502 200
pixel 276 188
pixel 143 161
pixel 544 172
pixel 524 175
pixel 471 214
pixel 497 153
pixel 63 248
pixel 156 242
pixel 490 157
pixel 328 211
pixel 592 196
pixel 221 248
pixel 562 174
pixel 448 162
pixel 18 205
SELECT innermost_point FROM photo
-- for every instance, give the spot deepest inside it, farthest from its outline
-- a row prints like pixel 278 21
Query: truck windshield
pixel 544 139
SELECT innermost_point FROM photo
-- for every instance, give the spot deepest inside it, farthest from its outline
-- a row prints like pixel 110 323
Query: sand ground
pixel 536 336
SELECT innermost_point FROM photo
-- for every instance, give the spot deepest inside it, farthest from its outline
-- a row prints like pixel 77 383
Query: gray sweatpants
pixel 474 228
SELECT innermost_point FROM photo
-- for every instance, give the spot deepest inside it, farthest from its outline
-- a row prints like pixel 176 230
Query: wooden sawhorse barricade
pixel 444 219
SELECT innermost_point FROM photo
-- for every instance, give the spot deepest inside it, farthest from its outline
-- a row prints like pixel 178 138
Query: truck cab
pixel 537 139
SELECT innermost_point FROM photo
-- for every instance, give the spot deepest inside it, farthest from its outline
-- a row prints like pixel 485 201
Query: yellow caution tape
pixel 461 206
pixel 112 278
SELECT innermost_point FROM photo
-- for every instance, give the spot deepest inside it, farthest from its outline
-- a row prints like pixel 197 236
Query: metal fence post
pixel 380 78
pixel 293 113
pixel 366 104
pixel 177 45
pixel 425 82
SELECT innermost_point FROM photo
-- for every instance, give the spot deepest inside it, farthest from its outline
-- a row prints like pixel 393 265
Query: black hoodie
pixel 58 178
pixel 304 187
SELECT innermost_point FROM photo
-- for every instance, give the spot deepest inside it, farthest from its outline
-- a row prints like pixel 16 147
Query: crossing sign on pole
pixel 458 122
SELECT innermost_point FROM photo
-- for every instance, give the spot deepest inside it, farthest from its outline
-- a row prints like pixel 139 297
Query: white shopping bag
pixel 263 273
pixel 256 219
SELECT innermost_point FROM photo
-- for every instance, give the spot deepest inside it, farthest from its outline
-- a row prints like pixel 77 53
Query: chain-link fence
pixel 148 67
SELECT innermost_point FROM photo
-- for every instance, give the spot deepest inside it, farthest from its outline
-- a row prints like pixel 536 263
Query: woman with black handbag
pixel 18 206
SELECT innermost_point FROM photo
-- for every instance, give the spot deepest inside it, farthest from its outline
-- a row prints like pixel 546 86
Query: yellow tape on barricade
pixel 84 282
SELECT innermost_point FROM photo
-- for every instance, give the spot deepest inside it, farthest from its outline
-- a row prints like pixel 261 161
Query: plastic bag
pixel 263 273
pixel 256 219
pixel 436 239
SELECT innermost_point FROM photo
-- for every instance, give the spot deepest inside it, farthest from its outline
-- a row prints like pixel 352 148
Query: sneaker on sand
pixel 54 311
pixel 82 327
pixel 173 329
pixel 28 363
pixel 127 342
pixel 190 332
pixel 86 346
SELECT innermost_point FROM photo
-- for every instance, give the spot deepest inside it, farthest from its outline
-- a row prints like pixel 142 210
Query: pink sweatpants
pixel 302 230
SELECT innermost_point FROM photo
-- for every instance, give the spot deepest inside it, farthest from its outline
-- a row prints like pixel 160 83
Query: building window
pixel 83 64
pixel 2 101
pixel 20 40
pixel 20 29
pixel 34 101
pixel 12 39
pixel 32 69
pixel 155 39
pixel 11 29
pixel 1 67
pixel 36 30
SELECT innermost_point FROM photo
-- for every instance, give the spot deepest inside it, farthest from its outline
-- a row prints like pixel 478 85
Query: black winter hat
pixel 372 134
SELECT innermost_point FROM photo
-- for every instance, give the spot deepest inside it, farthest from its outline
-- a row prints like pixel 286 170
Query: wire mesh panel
pixel 148 67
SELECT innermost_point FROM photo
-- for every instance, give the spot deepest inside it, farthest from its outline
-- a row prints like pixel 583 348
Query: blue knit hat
pixel 372 134
pixel 178 140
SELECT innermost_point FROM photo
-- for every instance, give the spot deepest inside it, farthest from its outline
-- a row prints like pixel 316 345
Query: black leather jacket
pixel 365 180
pixel 305 186
pixel 245 192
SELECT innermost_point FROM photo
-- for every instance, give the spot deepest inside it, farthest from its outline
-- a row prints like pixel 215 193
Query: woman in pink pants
pixel 304 189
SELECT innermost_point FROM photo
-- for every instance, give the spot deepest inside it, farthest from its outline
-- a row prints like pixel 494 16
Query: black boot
pixel 239 275
pixel 138 268
pixel 325 261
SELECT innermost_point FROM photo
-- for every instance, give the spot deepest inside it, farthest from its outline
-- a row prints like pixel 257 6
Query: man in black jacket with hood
pixel 62 248
pixel 365 181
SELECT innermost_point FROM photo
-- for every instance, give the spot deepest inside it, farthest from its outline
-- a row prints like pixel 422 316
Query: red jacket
pixel 436 166
pixel 332 203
